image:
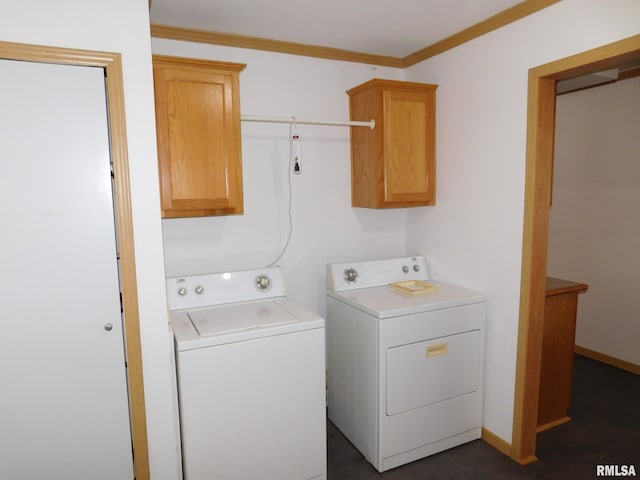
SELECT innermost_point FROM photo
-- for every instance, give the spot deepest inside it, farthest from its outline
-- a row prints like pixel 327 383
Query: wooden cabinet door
pixel 199 142
pixel 394 164
pixel 409 160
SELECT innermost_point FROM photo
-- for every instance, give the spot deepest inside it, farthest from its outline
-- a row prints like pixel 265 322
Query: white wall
pixel 122 26
pixel 474 234
pixel 472 237
pixel 325 226
pixel 594 231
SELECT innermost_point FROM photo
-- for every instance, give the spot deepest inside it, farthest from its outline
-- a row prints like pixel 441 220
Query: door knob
pixel 108 327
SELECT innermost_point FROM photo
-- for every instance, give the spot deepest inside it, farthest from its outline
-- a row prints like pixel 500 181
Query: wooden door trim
pixel 112 64
pixel 540 141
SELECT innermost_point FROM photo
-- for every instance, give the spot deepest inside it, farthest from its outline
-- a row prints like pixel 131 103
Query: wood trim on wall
pixel 257 43
pixel 631 73
pixel 540 140
pixel 518 11
pixel 579 89
pixel 119 153
pixel 495 22
pixel 112 64
pixel 496 442
pixel 608 359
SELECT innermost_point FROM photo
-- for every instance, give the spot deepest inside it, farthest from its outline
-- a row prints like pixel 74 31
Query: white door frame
pixel 112 64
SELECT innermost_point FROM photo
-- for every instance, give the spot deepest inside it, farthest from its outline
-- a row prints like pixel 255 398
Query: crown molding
pixel 257 43
pixel 518 11
pixel 499 20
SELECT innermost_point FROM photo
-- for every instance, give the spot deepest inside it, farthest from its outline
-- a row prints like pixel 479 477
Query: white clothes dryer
pixel 404 361
pixel 251 378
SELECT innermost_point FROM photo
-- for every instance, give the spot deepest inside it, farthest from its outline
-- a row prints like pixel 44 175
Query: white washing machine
pixel 404 362
pixel 251 378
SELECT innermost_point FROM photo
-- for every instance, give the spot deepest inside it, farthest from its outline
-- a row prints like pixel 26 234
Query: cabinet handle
pixel 435 350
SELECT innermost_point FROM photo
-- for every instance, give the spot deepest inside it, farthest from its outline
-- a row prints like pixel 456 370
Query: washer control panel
pixel 217 288
pixel 375 273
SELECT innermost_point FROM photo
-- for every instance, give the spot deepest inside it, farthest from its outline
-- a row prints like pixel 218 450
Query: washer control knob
pixel 405 269
pixel 416 268
pixel 263 282
pixel 182 291
pixel 350 275
pixel 199 289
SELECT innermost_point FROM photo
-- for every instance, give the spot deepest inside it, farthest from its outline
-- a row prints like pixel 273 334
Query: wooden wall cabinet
pixel 199 139
pixel 558 340
pixel 394 164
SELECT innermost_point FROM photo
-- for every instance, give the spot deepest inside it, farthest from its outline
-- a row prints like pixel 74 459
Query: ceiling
pixel 376 27
pixel 399 33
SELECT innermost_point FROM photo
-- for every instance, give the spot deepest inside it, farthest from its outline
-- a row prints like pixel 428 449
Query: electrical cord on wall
pixel 293 152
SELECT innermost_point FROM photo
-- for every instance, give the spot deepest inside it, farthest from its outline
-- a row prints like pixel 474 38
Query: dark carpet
pixel 604 429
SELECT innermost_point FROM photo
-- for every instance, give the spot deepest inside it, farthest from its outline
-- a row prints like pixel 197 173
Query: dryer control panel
pixel 375 273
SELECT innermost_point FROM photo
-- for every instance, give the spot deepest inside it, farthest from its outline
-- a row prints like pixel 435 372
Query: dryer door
pixel 431 371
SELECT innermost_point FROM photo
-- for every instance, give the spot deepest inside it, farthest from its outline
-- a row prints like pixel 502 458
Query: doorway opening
pixel 539 168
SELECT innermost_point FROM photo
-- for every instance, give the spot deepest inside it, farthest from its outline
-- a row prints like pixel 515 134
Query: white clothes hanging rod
pixel 300 121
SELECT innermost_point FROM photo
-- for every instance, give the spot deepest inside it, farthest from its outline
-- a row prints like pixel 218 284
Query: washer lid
pixel 389 302
pixel 238 322
pixel 239 317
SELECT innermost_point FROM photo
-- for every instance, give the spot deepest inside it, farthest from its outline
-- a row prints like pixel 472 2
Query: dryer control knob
pixel 199 289
pixel 416 268
pixel 263 282
pixel 350 275
pixel 182 291
pixel 405 269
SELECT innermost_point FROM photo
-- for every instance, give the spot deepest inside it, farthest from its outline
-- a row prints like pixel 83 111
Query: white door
pixel 64 411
